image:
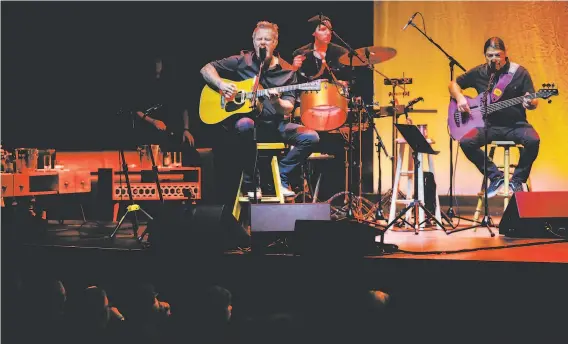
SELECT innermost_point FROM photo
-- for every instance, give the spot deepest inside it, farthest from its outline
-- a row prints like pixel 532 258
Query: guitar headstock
pixel 547 91
pixel 311 86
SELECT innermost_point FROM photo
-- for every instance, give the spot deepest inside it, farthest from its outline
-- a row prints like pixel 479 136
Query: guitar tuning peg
pixel 549 101
pixel 552 85
pixel 543 85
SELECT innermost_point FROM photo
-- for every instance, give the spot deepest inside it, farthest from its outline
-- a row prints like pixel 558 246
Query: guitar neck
pixel 507 103
pixel 264 92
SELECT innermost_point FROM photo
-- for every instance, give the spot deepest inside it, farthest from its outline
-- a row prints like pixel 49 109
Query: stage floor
pixel 469 245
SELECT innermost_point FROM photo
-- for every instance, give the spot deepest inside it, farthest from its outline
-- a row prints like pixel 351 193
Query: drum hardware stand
pixel 450 214
pixel 418 144
pixel 361 207
pixel 352 53
pixel 487 222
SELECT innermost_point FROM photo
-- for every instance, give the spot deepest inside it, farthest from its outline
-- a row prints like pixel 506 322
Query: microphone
pixel 116 313
pixel 367 53
pixel 320 18
pixel 315 18
pixel 307 52
pixel 262 54
pixel 414 101
pixel 409 21
pixel 153 108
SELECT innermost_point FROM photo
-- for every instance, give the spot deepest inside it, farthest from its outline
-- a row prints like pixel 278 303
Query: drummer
pixel 320 59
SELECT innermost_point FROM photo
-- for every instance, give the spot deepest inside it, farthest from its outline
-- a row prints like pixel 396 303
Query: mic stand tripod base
pixel 132 208
pixel 487 222
pixel 416 205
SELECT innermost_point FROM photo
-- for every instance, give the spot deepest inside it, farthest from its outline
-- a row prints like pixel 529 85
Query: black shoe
pixel 515 186
pixel 494 186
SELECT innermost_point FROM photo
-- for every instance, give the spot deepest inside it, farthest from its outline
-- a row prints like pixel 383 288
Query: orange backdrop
pixel 536 36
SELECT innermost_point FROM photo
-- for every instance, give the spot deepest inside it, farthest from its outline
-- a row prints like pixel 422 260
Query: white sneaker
pixel 286 193
pixel 258 194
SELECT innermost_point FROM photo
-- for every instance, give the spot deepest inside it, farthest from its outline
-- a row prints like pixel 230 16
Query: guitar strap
pixel 504 81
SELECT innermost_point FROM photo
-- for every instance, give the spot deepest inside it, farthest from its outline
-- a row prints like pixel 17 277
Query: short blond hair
pixel 266 25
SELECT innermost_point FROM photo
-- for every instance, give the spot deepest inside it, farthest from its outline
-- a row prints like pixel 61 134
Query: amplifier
pixel 149 191
pixel 181 183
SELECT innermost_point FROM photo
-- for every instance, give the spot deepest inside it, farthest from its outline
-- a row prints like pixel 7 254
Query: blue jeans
pixel 302 138
pixel 522 133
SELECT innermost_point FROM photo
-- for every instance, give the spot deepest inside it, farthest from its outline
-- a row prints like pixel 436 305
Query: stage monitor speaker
pixel 272 225
pixel 536 215
pixel 209 229
pixel 282 217
pixel 333 239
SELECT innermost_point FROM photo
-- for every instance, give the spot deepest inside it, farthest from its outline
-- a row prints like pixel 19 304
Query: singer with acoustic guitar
pixel 273 105
pixel 507 123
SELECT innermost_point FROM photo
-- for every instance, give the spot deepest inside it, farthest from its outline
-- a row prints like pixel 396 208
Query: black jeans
pixel 521 133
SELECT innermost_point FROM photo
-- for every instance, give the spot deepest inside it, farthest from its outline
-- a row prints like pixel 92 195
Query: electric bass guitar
pixel 214 107
pixel 459 123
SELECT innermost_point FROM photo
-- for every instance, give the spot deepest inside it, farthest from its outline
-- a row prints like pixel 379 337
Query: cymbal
pixel 376 55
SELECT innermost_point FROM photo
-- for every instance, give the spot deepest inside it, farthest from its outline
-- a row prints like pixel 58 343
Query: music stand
pixel 418 144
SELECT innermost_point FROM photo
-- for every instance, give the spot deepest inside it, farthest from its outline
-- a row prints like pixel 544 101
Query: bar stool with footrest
pixel 272 149
pixel 506 145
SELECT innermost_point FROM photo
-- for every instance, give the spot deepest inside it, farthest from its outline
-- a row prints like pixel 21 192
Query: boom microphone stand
pixel 380 145
pixel 450 214
pixel 133 207
pixel 262 57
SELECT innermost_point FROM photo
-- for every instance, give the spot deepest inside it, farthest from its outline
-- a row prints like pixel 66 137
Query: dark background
pixel 67 67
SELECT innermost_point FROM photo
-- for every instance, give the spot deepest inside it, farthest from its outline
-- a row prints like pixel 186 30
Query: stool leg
pixel 237 204
pixel 528 183
pixel 421 188
pixel 481 195
pixel 506 167
pixel 392 213
pixel 478 208
pixel 409 183
pixel 437 211
pixel 303 183
pixel 276 178
pixel 316 191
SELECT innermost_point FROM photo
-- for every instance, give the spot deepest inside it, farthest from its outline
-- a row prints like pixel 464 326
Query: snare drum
pixel 26 159
pixel 325 109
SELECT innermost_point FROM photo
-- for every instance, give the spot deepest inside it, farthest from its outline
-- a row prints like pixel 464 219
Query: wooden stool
pixel 506 145
pixel 409 173
pixel 277 148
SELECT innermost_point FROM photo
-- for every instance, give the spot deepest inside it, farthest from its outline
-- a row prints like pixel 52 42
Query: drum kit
pixel 334 110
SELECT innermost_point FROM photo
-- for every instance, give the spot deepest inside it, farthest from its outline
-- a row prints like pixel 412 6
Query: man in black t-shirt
pixel 509 124
pixel 161 92
pixel 276 108
pixel 309 60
